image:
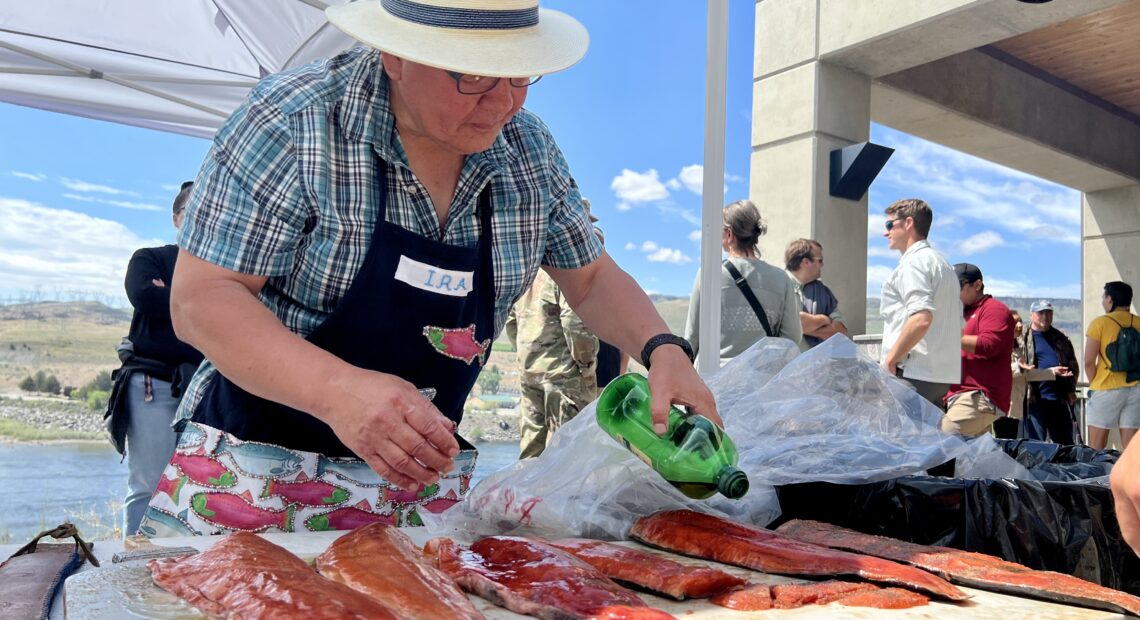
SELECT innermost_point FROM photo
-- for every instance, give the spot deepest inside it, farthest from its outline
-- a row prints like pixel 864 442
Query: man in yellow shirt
pixel 1115 401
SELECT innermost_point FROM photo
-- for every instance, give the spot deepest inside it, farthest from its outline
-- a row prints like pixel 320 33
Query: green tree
pixel 102 381
pixel 489 379
pixel 52 385
pixel 28 384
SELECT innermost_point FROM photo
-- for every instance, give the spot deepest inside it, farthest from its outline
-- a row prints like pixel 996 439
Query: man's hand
pixel 1125 484
pixel 389 424
pixel 673 380
pixel 890 365
pixel 1062 371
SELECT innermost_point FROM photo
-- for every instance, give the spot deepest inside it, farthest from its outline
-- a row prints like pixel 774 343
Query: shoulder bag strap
pixel 742 284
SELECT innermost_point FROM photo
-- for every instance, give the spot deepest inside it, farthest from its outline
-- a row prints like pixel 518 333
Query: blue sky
pixel 77 196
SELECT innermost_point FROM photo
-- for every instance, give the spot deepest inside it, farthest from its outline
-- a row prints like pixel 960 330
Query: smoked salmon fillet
pixel 530 577
pixel 381 561
pixel 245 576
pixel 714 538
pixel 977 570
pixel 649 571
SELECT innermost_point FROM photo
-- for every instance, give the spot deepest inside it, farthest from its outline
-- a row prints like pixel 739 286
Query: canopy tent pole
pixel 712 204
pixel 99 75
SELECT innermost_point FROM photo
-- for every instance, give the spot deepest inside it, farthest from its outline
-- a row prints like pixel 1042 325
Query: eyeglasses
pixel 891 223
pixel 470 84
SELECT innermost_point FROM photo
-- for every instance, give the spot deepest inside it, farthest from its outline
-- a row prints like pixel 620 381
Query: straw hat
pixel 497 38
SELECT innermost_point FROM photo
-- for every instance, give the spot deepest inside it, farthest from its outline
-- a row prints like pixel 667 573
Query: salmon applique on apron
pixel 249 464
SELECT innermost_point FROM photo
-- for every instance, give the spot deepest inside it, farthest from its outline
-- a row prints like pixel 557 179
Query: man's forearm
pixel 250 346
pixel 613 306
pixel 829 330
pixel 912 333
pixel 812 323
pixel 969 343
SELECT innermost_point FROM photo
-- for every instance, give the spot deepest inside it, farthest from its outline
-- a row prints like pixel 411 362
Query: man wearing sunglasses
pixel 922 313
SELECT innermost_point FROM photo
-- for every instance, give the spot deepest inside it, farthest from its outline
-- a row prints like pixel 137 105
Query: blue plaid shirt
pixel 289 191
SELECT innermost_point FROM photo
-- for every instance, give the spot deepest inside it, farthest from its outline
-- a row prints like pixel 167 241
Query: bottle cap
pixel 732 483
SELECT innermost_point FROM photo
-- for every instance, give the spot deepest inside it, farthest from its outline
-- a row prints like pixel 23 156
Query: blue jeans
pixel 1050 419
pixel 150 444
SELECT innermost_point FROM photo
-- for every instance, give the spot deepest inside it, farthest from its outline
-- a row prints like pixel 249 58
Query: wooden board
pixel 126 591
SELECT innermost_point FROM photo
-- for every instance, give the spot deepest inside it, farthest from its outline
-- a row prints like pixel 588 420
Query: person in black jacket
pixel 148 386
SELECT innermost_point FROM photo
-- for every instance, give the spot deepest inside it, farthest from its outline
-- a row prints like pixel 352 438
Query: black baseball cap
pixel 967 273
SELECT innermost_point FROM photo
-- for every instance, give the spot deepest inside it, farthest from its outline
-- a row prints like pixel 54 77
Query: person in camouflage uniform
pixel 559 358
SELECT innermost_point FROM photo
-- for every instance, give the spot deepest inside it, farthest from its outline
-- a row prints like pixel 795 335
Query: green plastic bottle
pixel 694 454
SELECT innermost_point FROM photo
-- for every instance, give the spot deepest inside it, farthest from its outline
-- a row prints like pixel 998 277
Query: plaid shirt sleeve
pixel 245 214
pixel 570 238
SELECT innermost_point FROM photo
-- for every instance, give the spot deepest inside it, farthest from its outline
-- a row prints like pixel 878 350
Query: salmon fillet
pixel 649 571
pixel 967 568
pixel 245 576
pixel 530 577
pixel 379 560
pixel 754 597
pixel 792 595
pixel 715 538
pixel 884 598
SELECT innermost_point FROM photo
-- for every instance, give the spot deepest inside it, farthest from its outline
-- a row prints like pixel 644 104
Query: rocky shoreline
pixel 477 426
pixel 55 414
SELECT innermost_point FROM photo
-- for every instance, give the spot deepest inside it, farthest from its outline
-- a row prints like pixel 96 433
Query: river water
pixel 43 485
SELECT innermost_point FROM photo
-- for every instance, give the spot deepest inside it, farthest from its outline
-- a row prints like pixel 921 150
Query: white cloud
pixel 1018 288
pixel 134 206
pixel 55 249
pixel 630 246
pixel 31 176
pixel 695 235
pixel 122 204
pixel 882 251
pixel 649 246
pixel 76 185
pixel 693 178
pixel 636 187
pixel 961 188
pixel 876 275
pixel 669 255
pixel 673 184
pixel 981 242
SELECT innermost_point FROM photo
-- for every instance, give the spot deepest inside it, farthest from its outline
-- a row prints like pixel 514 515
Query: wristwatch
pixel 661 339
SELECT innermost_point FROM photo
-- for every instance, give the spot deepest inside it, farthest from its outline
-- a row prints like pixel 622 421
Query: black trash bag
pixel 1059 521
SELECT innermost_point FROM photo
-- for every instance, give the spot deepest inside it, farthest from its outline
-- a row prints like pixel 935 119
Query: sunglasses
pixel 891 223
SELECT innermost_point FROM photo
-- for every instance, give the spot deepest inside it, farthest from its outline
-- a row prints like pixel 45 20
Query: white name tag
pixel 434 279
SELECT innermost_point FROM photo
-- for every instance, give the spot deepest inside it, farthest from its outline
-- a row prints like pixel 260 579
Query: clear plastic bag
pixel 830 414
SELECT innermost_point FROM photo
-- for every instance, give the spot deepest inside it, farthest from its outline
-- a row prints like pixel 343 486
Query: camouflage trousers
pixel 547 406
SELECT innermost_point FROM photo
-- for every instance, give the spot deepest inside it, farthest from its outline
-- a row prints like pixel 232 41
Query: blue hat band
pixel 467 19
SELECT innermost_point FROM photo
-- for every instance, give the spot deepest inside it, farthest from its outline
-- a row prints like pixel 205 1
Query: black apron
pixel 382 323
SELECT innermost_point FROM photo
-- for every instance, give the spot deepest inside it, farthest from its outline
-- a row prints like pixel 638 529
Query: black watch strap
pixel 661 339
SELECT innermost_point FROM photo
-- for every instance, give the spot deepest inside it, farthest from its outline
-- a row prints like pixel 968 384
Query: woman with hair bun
pixel 770 287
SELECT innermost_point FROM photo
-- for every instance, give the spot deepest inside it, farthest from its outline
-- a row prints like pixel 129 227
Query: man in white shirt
pixel 922 313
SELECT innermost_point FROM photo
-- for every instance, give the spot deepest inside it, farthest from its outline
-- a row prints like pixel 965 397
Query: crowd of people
pixel 959 347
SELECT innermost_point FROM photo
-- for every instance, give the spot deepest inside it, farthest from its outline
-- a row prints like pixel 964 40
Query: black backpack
pixel 1124 354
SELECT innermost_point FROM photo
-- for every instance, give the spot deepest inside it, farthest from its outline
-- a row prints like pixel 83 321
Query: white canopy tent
pixel 173 65
pixel 184 65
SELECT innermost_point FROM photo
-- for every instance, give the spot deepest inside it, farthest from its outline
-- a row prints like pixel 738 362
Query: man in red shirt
pixel 987 344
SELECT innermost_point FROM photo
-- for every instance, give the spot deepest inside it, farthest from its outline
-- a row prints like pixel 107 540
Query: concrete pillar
pixel 1110 244
pixel 802 110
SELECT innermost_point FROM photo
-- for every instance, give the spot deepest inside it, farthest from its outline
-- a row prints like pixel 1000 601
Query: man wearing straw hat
pixel 361 227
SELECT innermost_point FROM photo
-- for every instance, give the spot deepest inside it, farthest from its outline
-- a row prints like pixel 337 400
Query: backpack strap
pixel 742 284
